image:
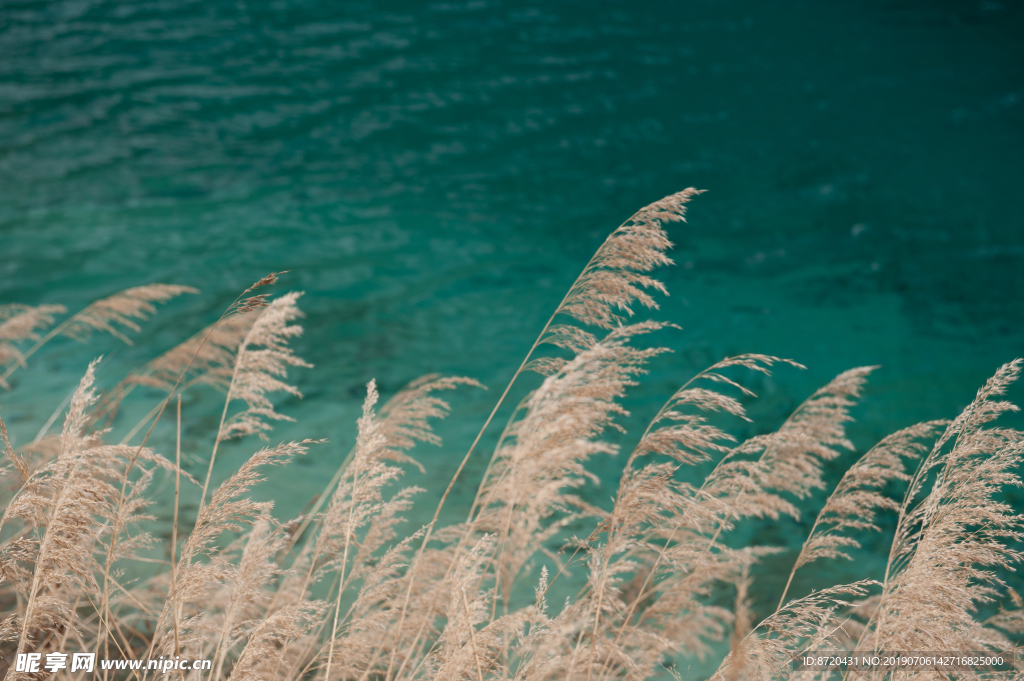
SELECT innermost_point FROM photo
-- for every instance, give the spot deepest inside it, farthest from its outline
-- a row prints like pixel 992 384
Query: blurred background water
pixel 435 174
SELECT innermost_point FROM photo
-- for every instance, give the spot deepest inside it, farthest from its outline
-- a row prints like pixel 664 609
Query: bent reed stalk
pixel 351 591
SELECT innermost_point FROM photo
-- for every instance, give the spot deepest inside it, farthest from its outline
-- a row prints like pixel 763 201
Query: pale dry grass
pixel 352 590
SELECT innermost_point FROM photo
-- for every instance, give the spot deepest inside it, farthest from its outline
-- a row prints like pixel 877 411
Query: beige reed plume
pixel 858 497
pixel 210 363
pixel 351 547
pixel 69 505
pixel 811 623
pixel 950 544
pixel 207 358
pixel 227 511
pixel 240 305
pixel 611 282
pixel 659 522
pixel 261 363
pixel 531 494
pixel 105 316
pixel 789 461
pixel 346 595
pixel 19 323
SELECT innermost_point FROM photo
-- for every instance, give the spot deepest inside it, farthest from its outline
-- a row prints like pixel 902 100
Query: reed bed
pixel 348 591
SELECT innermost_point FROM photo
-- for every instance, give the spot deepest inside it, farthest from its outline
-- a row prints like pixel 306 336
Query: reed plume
pixel 858 498
pixel 531 493
pixel 360 523
pixel 949 544
pixel 227 511
pixel 209 363
pixel 609 284
pixel 207 358
pixel 20 323
pixel 616 277
pixel 66 507
pixel 120 310
pixel 104 316
pixel 262 361
pixel 812 623
pixel 350 591
pixel 657 566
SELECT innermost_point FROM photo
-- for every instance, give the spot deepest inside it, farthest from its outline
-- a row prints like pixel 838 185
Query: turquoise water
pixel 435 174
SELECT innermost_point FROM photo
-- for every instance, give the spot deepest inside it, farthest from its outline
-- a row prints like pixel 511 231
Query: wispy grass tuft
pixel 357 590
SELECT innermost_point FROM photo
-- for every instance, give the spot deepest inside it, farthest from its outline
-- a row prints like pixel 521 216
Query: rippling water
pixel 435 174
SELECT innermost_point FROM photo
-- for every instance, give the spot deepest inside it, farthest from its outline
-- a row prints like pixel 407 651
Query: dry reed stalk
pixel 71 504
pixel 612 280
pixel 134 303
pixel 19 323
pixel 261 362
pixel 808 623
pixel 101 315
pixel 738 654
pixel 207 358
pixel 947 545
pixel 104 316
pixel 683 514
pixel 360 600
pixel 358 505
pixel 858 497
pixel 227 511
pixel 369 446
pixel 174 531
pixel 651 512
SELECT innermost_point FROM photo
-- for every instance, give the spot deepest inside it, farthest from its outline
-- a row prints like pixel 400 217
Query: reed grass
pixel 347 592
